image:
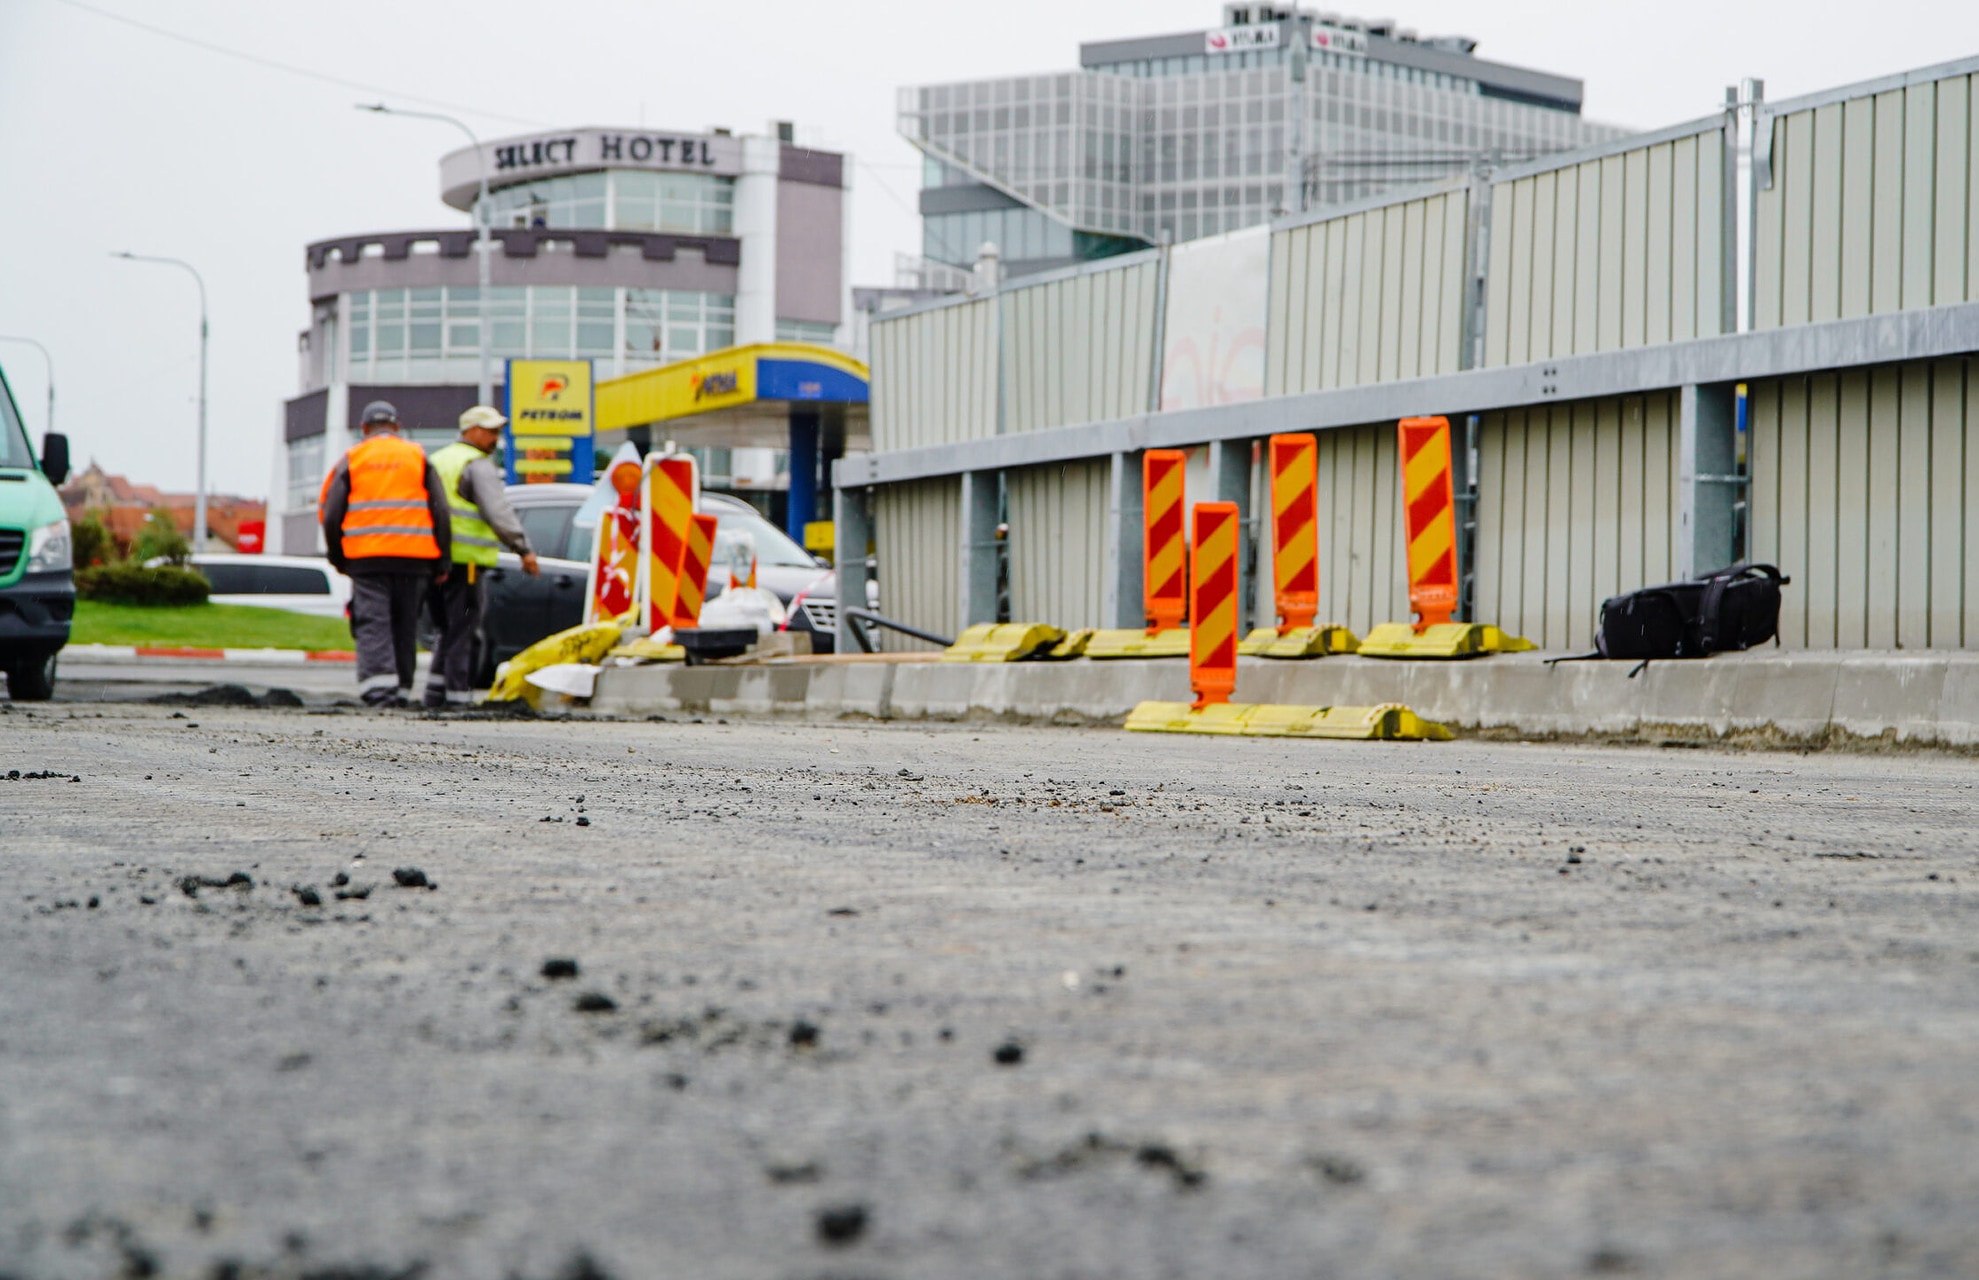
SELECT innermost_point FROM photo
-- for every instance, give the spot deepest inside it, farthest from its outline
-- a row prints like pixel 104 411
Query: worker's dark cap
pixel 379 411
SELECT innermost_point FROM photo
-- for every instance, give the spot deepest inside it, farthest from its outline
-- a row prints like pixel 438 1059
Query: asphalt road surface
pixel 973 1002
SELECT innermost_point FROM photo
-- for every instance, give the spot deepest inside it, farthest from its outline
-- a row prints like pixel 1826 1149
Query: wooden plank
pixel 1769 234
pixel 1688 230
pixel 1587 260
pixel 1952 184
pixel 1609 302
pixel 1863 199
pixel 1797 212
pixel 1635 245
pixel 1910 490
pixel 1498 274
pixel 1408 331
pixel 1947 491
pixel 1854 512
pixel 1538 326
pixel 1584 515
pixel 1824 261
pixel 1920 197
pixel 1565 254
pixel 1824 536
pixel 1518 339
pixel 1659 288
pixel 1887 181
pixel 1629 558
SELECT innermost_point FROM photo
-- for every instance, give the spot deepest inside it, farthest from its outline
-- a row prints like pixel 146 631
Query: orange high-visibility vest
pixel 388 515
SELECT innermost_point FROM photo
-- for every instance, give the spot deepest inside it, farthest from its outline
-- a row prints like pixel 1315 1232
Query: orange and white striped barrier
pixel 1294 461
pixel 1429 522
pixel 1164 566
pixel 672 491
pixel 612 586
pixel 693 574
pixel 1213 606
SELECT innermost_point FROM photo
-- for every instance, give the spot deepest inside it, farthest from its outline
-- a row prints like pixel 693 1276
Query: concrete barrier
pixel 1785 698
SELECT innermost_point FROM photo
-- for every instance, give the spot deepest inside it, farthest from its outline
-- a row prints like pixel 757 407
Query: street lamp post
pixel 199 496
pixel 50 360
pixel 481 213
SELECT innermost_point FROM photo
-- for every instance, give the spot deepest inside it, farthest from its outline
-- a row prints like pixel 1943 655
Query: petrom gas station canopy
pixel 744 397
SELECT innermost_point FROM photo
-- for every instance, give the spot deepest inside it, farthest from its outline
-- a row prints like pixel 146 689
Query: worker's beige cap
pixel 481 416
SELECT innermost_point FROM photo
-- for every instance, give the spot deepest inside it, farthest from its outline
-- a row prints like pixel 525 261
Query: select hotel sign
pixel 513 160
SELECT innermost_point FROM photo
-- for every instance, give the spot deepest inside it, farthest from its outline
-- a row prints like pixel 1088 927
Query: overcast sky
pixel 113 137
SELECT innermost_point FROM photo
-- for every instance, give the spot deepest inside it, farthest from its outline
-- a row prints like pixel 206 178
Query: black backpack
pixel 1733 608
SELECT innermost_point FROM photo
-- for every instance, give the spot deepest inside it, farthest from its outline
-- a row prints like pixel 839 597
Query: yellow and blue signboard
pixel 765 371
pixel 551 421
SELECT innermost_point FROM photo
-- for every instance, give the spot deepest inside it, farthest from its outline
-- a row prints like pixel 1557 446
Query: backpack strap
pixel 1573 657
pixel 1709 609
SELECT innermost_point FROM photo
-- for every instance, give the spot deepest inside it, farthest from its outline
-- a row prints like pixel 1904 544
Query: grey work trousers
pixel 384 620
pixel 458 605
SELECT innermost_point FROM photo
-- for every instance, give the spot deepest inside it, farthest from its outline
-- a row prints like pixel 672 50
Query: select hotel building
pixel 627 247
pixel 1178 136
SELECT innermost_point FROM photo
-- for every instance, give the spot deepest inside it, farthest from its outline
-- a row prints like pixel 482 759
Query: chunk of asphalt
pixel 410 878
pixel 786 1175
pixel 557 967
pixel 803 1035
pixel 356 893
pixel 281 698
pixel 307 896
pixel 1008 1054
pixel 340 879
pixel 594 1002
pixel 841 1224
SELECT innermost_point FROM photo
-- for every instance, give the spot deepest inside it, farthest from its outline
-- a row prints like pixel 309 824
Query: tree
pixel 160 537
pixel 92 541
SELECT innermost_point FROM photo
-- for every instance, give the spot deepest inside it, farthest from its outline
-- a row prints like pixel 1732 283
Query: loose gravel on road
pixel 291 993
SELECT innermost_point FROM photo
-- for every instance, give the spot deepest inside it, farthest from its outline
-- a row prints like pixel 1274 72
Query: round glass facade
pixel 620 200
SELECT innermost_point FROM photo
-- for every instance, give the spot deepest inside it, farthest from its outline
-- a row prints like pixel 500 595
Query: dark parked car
pixel 562 522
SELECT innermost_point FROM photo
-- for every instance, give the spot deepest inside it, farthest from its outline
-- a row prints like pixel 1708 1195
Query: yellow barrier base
pixel 578 644
pixel 650 650
pixel 1391 721
pixel 1072 646
pixel 1300 642
pixel 1134 642
pixel 1444 640
pixel 1002 642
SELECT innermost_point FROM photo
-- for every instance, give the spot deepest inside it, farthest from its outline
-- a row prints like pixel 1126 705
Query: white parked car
pixel 300 584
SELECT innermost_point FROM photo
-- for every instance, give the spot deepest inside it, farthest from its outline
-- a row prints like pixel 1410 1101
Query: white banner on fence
pixel 1213 347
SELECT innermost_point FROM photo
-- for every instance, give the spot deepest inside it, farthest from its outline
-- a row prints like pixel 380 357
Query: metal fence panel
pixel 1058 543
pixel 918 526
pixel 1623 250
pixel 934 376
pixel 1079 348
pixel 1363 576
pixel 1577 503
pixel 1860 486
pixel 1870 205
pixel 1368 296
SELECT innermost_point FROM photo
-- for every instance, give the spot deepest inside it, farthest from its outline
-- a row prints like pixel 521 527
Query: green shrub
pixel 92 541
pixel 160 539
pixel 127 582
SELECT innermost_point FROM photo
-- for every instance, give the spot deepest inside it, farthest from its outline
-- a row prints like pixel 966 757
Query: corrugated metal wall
pixel 1872 207
pixel 1369 297
pixel 1624 251
pixel 918 526
pixel 1577 502
pixel 1363 568
pixel 1058 543
pixel 1861 484
pixel 934 376
pixel 1080 349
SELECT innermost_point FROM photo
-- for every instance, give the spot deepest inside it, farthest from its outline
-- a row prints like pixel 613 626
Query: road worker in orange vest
pixel 386 524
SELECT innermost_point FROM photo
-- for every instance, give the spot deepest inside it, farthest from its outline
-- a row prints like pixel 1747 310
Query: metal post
pixel 1121 603
pixel 851 539
pixel 487 385
pixel 199 495
pixel 1707 478
pixel 976 574
pixel 50 361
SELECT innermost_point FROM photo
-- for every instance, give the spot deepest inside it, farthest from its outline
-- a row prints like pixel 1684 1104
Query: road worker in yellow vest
pixel 483 523
pixel 385 523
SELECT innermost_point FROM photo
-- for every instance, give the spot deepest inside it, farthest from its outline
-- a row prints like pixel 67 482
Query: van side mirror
pixel 55 457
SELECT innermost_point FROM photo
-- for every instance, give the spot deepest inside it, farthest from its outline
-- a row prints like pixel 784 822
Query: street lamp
pixel 199 496
pixel 481 212
pixel 12 337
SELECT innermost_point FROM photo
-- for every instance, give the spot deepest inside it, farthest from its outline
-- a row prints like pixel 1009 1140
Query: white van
pixel 300 584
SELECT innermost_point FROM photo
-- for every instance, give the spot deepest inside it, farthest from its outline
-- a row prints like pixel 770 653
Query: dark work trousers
pixel 457 605
pixel 384 620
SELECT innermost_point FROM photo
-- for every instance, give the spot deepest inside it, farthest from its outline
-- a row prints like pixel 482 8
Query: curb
pixel 86 654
